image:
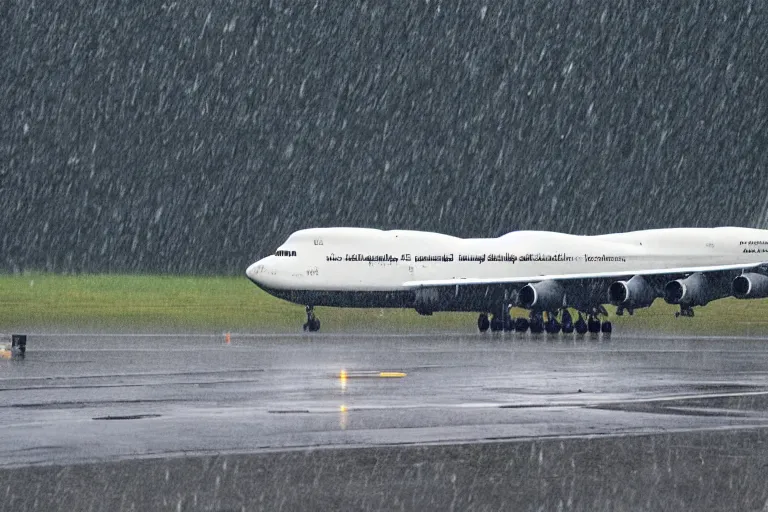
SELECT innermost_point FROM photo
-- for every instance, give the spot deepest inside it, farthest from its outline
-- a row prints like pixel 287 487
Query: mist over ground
pixel 191 137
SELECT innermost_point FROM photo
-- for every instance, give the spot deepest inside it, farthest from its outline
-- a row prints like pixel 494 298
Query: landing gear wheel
pixel 497 324
pixel 482 322
pixel 536 323
pixel 606 328
pixel 313 323
pixel 521 324
pixel 581 326
pixel 552 326
pixel 567 321
pixel 593 325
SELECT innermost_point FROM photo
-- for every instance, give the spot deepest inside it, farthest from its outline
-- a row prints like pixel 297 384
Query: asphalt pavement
pixel 381 408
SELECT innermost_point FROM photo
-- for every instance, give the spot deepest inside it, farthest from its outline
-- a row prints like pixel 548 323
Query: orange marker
pixel 227 338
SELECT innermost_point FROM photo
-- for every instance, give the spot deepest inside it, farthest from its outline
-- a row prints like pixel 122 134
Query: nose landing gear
pixel 313 323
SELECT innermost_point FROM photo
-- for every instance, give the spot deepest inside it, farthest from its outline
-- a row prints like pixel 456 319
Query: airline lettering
pixel 481 258
pixel 472 257
pixel 604 258
pixel 548 257
pixel 387 258
pixel 444 257
pixel 753 249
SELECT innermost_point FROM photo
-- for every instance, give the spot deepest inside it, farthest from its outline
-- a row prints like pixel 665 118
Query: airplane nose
pixel 256 270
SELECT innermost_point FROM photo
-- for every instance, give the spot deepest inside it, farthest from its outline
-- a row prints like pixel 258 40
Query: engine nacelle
pixel 635 293
pixel 426 300
pixel 694 290
pixel 750 286
pixel 543 296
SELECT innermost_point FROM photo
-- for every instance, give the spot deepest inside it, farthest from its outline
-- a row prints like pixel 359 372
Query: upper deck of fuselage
pixel 668 238
pixel 360 235
pixel 677 237
pixel 344 234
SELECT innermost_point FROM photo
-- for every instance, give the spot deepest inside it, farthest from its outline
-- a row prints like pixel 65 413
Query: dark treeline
pixel 193 137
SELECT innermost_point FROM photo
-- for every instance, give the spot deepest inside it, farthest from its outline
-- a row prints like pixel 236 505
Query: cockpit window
pixel 285 253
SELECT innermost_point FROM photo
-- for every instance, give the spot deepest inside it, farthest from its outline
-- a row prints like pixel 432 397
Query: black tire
pixel 581 326
pixel 552 326
pixel 607 327
pixel 536 324
pixel 593 325
pixel 496 324
pixel 482 323
pixel 567 322
pixel 521 324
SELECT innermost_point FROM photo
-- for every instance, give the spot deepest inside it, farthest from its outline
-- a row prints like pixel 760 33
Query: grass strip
pixel 141 303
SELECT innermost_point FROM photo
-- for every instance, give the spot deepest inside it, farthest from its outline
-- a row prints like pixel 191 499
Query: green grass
pixel 136 303
pixel 130 303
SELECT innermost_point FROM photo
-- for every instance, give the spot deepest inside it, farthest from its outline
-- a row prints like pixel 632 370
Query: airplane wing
pixel 568 277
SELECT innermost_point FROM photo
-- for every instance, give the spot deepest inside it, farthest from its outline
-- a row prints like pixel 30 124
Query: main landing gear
pixel 499 321
pixel 686 311
pixel 313 323
pixel 539 322
pixel 593 325
pixel 483 324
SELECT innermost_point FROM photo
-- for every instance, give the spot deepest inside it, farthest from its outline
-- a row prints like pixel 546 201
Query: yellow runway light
pixel 344 375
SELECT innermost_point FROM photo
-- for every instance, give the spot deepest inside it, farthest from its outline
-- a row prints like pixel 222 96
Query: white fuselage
pixel 370 260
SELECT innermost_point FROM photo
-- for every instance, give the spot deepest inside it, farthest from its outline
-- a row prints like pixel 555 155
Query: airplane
pixel 544 272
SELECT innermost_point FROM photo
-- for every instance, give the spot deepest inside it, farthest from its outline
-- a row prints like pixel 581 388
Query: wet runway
pixel 112 398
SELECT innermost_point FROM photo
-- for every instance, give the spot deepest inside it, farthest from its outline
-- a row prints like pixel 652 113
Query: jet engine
pixel 427 300
pixel 750 286
pixel 635 293
pixel 543 296
pixel 694 290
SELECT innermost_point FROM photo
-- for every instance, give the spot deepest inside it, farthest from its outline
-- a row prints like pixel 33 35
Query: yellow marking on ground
pixel 369 374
